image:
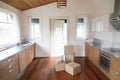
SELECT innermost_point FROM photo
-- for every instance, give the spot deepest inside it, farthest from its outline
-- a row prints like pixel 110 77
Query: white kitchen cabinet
pixel 101 24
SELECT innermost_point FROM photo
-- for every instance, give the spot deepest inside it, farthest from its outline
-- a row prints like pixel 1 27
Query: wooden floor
pixel 43 69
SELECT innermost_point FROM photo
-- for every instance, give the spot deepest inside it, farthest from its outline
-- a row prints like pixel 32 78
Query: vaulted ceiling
pixel 27 4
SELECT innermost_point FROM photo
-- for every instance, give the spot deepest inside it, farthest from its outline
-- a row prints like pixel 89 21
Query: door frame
pixel 59 17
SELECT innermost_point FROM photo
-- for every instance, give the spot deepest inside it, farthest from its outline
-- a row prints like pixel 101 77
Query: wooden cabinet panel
pixel 30 53
pixel 10 69
pixel 8 60
pixel 22 60
pixel 92 54
pixel 95 54
pixel 87 50
pixel 25 57
pixel 14 72
pixel 115 68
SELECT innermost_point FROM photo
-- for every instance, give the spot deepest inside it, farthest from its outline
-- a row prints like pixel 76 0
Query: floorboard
pixel 43 69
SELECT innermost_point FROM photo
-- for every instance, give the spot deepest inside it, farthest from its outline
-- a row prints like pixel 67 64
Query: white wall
pixel 17 13
pixel 74 8
pixel 104 7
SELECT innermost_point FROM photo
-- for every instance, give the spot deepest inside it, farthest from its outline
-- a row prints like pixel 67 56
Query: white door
pixel 57 37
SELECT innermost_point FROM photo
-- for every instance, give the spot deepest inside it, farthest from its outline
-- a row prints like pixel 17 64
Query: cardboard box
pixel 69 58
pixel 72 68
pixel 60 66
pixel 68 50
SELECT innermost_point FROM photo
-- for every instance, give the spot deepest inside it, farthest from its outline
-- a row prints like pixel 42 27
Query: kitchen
pixel 99 29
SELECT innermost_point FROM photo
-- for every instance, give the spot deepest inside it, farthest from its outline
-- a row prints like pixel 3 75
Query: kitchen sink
pixel 26 44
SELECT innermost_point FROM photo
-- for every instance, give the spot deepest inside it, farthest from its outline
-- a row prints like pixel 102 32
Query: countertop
pixel 116 54
pixel 14 50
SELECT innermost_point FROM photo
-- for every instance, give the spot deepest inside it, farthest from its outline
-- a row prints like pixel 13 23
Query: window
pixel 3 17
pixel 80 28
pixel 8 30
pixel 35 28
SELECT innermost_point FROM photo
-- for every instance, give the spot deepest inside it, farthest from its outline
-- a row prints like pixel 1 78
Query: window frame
pixel 85 24
pixel 8 44
pixel 7 19
pixel 40 28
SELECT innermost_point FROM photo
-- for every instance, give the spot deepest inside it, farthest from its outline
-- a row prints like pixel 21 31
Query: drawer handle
pixel 117 73
pixel 10 65
pixel 9 60
pixel 10 71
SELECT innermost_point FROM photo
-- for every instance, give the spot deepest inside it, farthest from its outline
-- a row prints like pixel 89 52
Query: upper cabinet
pixel 101 24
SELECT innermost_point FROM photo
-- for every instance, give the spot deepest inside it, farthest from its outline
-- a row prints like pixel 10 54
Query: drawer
pixel 115 75
pixel 9 74
pixel 10 69
pixel 115 64
pixel 115 68
pixel 8 60
pixel 13 72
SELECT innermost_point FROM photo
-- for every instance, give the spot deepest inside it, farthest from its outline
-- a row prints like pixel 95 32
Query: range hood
pixel 115 17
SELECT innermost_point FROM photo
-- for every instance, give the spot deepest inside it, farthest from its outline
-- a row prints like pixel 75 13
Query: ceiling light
pixel 61 3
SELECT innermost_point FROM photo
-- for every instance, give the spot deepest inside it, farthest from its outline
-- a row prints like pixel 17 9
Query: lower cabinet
pixel 95 54
pixel 115 69
pixel 22 60
pixel 25 57
pixel 12 66
pixel 92 54
pixel 9 68
pixel 30 54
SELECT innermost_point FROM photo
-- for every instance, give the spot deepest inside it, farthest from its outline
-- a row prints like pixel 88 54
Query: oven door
pixel 105 62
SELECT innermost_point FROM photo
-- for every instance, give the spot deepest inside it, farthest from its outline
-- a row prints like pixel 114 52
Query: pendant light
pixel 61 3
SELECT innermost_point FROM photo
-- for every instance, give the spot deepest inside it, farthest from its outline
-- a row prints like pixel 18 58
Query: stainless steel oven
pixel 105 60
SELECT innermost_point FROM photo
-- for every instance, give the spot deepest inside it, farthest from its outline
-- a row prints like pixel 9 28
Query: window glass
pixel 3 16
pixel 8 32
pixel 80 28
pixel 10 18
pixel 35 28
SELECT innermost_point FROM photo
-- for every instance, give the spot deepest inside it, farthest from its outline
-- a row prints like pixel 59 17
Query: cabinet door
pixel 22 60
pixel 30 53
pixel 90 53
pixel 96 56
pixel 115 68
pixel 87 50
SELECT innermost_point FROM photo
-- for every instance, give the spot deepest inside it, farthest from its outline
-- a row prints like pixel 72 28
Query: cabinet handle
pixel 10 71
pixel 9 60
pixel 117 73
pixel 10 65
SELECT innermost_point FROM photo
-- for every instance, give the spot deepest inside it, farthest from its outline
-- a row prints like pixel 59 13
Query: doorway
pixel 58 36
